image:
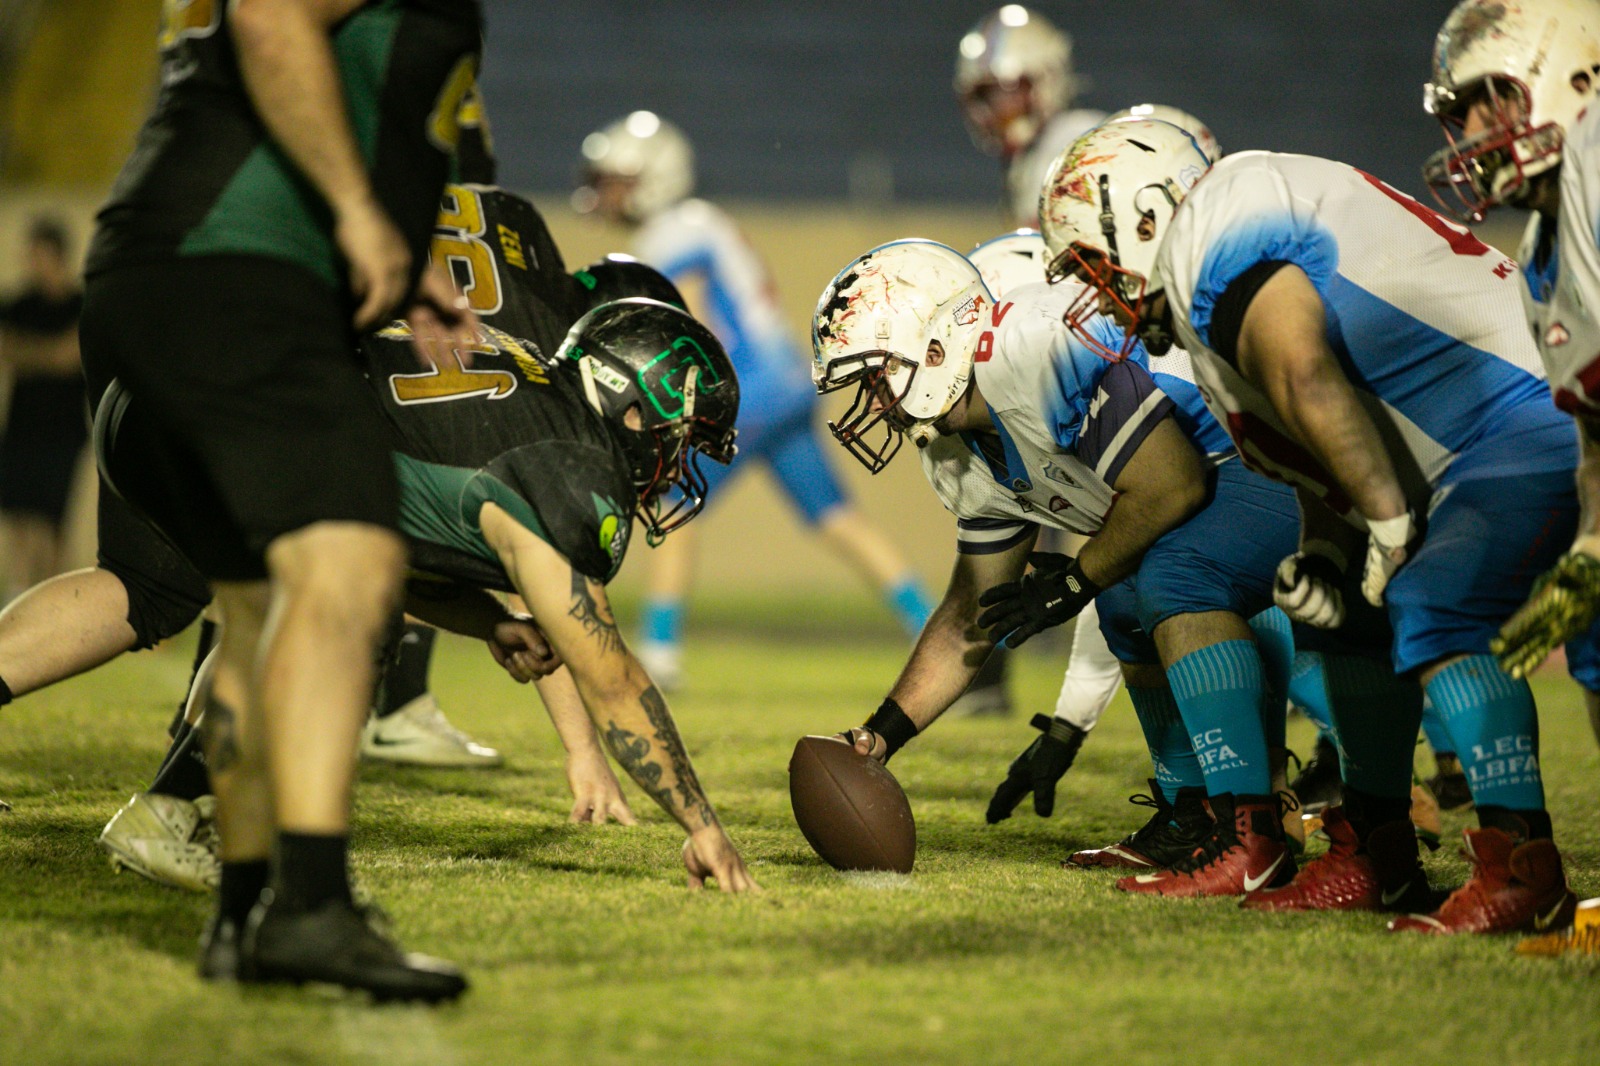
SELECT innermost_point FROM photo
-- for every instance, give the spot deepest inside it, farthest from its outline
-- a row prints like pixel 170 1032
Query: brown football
pixel 851 809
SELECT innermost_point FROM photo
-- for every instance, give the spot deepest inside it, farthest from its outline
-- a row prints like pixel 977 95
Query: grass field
pixel 583 946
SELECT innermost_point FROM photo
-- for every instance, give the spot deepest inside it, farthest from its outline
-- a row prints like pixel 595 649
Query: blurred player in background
pixel 46 426
pixel 1514 87
pixel 1020 425
pixel 1275 272
pixel 1015 82
pixel 639 172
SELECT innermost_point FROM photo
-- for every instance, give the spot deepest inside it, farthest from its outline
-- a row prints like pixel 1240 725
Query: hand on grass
pixel 708 853
pixel 596 796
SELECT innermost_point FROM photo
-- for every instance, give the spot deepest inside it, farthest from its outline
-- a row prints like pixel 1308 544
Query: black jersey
pixel 514 428
pixel 205 178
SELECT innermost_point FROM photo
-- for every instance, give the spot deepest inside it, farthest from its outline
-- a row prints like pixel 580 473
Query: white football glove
pixel 1307 585
pixel 1386 552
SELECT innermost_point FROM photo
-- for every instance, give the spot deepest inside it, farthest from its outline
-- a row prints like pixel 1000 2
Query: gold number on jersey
pixel 458 105
pixel 454 382
pixel 459 247
pixel 181 19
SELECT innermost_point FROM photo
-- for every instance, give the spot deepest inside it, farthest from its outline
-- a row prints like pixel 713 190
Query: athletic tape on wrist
pixel 892 724
pixel 1391 532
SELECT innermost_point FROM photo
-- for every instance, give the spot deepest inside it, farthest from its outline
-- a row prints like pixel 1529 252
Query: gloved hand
pixel 1053 592
pixel 1565 602
pixel 1388 547
pixel 1040 766
pixel 1307 586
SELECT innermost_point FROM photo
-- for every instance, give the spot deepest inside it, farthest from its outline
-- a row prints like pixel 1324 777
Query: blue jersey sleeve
pixel 1127 405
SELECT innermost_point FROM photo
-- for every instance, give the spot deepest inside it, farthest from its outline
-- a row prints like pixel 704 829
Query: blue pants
pixel 789 448
pixel 1221 559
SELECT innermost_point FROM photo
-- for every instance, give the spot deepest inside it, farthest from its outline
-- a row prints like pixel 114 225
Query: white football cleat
pixel 419 734
pixel 663 662
pixel 168 840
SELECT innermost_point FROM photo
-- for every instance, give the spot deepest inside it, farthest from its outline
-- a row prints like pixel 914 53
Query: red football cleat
pixel 1244 852
pixel 1514 888
pixel 1385 874
pixel 1172 834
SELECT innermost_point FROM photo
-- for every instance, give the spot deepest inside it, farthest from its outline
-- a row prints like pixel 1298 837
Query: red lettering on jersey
pixel 1504 268
pixel 1268 451
pixel 985 350
pixel 998 312
pixel 1460 239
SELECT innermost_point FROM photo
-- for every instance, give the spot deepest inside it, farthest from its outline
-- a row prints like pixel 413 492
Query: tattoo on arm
pixel 219 735
pixel 637 756
pixel 596 618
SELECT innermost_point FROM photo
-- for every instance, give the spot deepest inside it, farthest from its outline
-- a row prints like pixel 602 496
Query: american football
pixel 851 809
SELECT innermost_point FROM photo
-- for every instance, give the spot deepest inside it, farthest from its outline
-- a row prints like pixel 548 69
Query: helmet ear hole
pixel 633 417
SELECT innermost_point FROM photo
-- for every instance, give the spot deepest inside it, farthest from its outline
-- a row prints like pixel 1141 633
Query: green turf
pixel 584 947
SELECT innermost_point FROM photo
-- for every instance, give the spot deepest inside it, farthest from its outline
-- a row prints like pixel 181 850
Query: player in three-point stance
pixel 1514 86
pixel 1358 346
pixel 1019 425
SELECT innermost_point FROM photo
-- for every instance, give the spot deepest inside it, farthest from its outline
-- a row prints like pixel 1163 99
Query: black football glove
pixel 1038 769
pixel 1052 593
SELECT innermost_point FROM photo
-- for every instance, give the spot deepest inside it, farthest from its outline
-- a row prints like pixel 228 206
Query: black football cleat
pixel 1171 834
pixel 335 943
pixel 1318 786
pixel 1451 790
pixel 219 950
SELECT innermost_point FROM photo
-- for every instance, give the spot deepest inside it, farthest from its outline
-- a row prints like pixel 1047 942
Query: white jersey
pixel 1066 422
pixel 1028 168
pixel 697 239
pixel 1421 314
pixel 1561 268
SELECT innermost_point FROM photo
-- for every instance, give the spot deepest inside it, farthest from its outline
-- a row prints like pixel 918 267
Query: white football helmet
pixel 1537 64
pixel 1104 209
pixel 645 148
pixel 1203 137
pixel 1010 260
pixel 902 324
pixel 1013 50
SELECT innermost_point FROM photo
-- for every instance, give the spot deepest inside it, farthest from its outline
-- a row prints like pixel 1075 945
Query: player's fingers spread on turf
pixel 623 813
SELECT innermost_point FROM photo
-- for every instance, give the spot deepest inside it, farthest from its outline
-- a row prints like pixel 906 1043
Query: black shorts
pixel 44 435
pixel 248 415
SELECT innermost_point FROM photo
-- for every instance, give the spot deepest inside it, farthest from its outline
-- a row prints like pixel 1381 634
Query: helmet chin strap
pixel 922 434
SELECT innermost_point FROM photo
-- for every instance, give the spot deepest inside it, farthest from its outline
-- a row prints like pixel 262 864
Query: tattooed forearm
pixel 219 735
pixel 637 756
pixel 595 617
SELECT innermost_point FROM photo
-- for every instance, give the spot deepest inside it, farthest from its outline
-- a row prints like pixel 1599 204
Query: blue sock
pixel 1275 642
pixel 1219 691
pixel 1375 720
pixel 663 621
pixel 1308 690
pixel 1492 717
pixel 910 603
pixel 1171 755
pixel 1434 729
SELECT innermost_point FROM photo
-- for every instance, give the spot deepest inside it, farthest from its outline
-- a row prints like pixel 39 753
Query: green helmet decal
pixel 664 396
pixel 586 279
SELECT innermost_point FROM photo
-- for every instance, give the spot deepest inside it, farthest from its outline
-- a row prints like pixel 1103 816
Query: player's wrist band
pixel 892 724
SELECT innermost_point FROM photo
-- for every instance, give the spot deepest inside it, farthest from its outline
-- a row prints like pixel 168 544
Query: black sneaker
pixel 1451 790
pixel 1318 785
pixel 219 950
pixel 1171 834
pixel 337 944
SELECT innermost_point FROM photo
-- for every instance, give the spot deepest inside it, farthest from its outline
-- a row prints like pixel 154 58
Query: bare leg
pixel 672 566
pixel 32 548
pixel 335 587
pixel 863 545
pixel 231 728
pixel 63 627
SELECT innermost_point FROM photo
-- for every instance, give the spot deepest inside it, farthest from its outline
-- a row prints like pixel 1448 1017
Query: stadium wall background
pixel 838 141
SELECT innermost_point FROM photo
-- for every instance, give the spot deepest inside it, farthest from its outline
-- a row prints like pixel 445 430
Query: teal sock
pixel 910 603
pixel 663 620
pixel 1375 720
pixel 1219 691
pixel 1275 643
pixel 1171 755
pixel 1492 718
pixel 1433 727
pixel 1308 690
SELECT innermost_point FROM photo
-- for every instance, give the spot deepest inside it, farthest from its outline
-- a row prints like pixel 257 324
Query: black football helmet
pixel 666 387
pixel 617 277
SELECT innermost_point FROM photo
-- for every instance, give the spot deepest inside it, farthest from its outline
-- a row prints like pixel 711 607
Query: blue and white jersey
pixel 1066 422
pixel 696 239
pixel 1423 317
pixel 1561 271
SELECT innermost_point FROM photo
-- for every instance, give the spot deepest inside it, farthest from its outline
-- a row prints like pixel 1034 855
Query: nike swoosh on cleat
pixel 1391 898
pixel 1253 883
pixel 1543 922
